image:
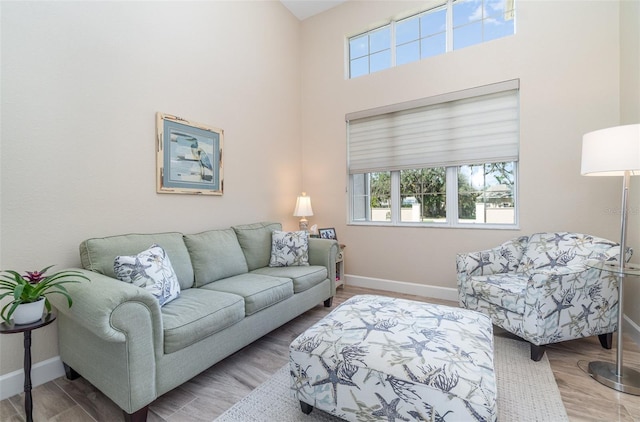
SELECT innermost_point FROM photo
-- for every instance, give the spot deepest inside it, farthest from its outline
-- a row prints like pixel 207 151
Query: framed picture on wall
pixel 188 157
pixel 328 233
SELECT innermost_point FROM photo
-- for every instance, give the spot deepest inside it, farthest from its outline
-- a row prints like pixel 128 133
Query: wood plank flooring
pixel 215 390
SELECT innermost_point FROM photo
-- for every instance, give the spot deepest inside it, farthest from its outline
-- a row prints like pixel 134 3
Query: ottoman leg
pixel 305 407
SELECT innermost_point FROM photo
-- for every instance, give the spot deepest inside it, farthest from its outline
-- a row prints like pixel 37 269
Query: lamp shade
pixel 303 206
pixel 611 151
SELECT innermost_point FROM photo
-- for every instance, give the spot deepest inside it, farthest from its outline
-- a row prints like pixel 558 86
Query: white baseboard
pixel 445 293
pixel 41 372
pixel 629 327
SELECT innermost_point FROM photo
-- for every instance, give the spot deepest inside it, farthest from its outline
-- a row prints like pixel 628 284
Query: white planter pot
pixel 26 313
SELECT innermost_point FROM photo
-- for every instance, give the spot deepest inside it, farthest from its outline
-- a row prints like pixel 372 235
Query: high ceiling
pixel 303 9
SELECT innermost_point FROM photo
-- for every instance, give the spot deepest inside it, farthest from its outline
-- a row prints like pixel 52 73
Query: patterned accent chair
pixel 539 288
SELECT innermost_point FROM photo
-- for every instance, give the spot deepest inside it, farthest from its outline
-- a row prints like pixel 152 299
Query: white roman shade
pixel 474 126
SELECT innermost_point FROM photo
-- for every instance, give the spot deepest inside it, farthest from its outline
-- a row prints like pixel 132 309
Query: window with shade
pixel 449 160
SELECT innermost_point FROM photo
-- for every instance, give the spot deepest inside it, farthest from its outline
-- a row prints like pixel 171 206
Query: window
pixel 370 52
pixel 431 33
pixel 449 160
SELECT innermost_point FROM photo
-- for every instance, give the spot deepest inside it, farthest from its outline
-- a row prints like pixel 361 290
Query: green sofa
pixel 118 337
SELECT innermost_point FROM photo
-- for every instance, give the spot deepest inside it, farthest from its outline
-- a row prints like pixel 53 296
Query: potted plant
pixel 31 290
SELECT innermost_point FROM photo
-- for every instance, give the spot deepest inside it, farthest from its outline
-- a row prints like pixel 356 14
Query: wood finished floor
pixel 212 392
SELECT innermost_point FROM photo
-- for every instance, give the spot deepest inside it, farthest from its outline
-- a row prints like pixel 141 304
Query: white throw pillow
pixel 151 270
pixel 289 249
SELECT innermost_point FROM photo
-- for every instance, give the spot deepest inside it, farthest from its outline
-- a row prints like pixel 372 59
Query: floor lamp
pixel 615 151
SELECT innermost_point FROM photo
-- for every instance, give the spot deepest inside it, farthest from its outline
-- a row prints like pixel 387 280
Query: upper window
pixel 370 52
pixel 449 160
pixel 431 33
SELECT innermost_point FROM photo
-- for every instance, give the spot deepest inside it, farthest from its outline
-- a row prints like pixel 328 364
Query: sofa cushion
pixel 259 291
pixel 152 270
pixel 198 313
pixel 255 241
pixel 215 254
pixel 289 248
pixel 304 277
pixel 98 254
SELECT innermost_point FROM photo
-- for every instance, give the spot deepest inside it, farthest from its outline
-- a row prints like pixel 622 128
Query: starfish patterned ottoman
pixel 381 358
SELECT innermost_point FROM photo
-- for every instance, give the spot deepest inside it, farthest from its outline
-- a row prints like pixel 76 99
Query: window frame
pixel 451 189
pixel 446 5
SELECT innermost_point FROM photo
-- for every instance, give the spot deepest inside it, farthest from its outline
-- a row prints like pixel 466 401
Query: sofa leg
pixel 537 352
pixel 606 340
pixel 328 302
pixel 137 416
pixel 70 373
pixel 305 407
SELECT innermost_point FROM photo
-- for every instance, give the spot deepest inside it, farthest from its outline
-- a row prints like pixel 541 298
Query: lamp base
pixel 304 224
pixel 605 373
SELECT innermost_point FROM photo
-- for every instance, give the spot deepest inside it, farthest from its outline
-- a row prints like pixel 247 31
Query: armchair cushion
pixel 504 290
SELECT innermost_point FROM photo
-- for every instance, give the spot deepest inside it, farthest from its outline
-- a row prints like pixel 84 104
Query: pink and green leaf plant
pixel 34 286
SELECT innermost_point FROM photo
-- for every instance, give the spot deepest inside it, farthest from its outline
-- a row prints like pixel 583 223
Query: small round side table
pixel 616 376
pixel 27 329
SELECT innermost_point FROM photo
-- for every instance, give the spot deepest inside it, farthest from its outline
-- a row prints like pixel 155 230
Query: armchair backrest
pixel 560 249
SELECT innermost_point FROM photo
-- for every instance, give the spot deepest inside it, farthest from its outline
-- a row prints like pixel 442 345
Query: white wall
pixel 630 114
pixel 81 83
pixel 566 55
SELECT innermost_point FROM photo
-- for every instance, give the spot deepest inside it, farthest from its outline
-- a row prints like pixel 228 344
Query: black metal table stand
pixel 26 329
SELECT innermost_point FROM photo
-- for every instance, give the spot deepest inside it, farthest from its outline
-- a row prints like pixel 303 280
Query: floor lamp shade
pixel 611 151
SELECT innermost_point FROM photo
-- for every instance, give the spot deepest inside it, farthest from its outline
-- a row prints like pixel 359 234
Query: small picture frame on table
pixel 328 233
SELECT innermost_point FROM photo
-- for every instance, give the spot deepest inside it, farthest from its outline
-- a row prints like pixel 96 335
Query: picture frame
pixel 328 233
pixel 188 157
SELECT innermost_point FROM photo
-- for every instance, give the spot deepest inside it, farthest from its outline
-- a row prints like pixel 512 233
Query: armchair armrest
pixel 501 259
pixel 560 271
pixel 569 302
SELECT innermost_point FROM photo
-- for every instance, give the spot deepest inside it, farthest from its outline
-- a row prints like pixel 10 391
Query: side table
pixel 27 329
pixel 616 376
pixel 340 266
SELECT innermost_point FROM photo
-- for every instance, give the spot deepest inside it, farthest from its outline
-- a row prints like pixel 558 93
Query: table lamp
pixel 615 151
pixel 303 209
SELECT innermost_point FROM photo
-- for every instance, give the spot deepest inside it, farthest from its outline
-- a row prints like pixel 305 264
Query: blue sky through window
pixel 424 35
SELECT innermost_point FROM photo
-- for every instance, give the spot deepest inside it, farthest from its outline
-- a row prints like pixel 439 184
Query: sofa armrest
pixel 324 252
pixel 112 322
pixel 96 305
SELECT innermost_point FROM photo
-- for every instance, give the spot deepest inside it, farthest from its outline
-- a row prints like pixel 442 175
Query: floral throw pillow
pixel 289 248
pixel 151 270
